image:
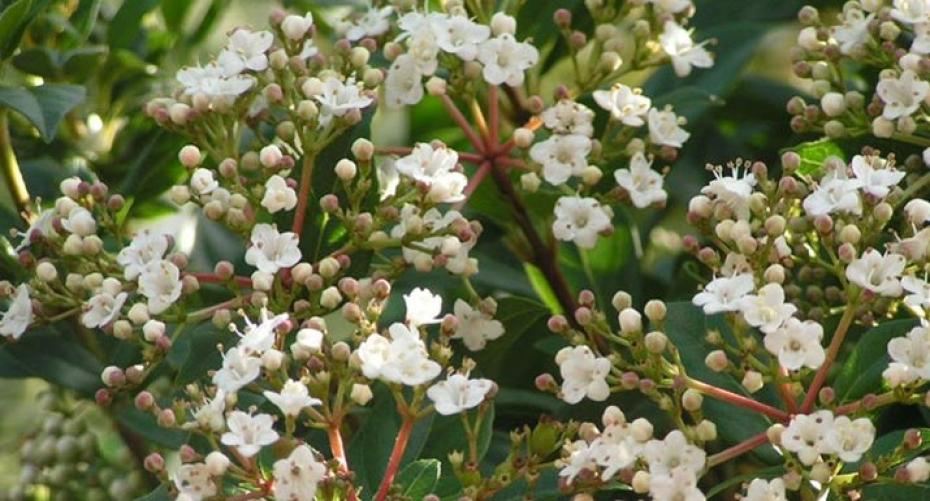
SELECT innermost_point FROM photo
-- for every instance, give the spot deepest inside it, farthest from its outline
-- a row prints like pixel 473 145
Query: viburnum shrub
pixel 318 361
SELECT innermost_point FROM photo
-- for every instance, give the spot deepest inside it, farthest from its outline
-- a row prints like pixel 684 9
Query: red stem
pixel 462 122
pixel 856 406
pixel 493 118
pixel 339 453
pixel 474 182
pixel 400 445
pixel 738 450
pixel 511 162
pixel 738 400
pixel 832 351
pixel 303 196
pixel 785 391
pixel 213 278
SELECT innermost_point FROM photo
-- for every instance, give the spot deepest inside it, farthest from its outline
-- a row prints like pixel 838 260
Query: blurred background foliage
pixel 105 58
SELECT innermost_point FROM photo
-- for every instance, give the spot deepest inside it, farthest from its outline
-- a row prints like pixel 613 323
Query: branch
pixel 339 453
pixel 400 445
pixel 462 122
pixel 835 344
pixel 738 450
pixel 738 400
pixel 213 278
pixel 306 176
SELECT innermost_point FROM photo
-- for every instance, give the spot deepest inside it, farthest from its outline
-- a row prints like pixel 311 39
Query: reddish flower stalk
pixel 303 196
pixel 400 445
pixel 462 122
pixel 213 278
pixel 338 449
pixel 784 390
pixel 832 351
pixel 874 401
pixel 738 450
pixel 493 118
pixel 738 400
pixel 474 182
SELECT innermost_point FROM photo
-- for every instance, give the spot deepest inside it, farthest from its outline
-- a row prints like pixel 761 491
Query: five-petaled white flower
pixel 296 27
pixel 248 433
pixel 462 36
pixel 402 359
pixel 835 192
pixel 875 177
pixel 562 156
pixel 144 248
pixel 239 369
pixel 664 128
pixel 878 273
pixel 80 222
pixel 797 344
pixel 372 24
pixel 910 357
pixel 627 105
pixel 278 195
pixel 677 43
pixel 733 190
pixel 911 11
pixel 18 316
pixel 194 482
pixel 679 484
pixel 457 394
pixel 435 168
pixel 270 250
pixel 505 59
pixel 102 309
pixel 674 451
pixel 423 307
pixel 474 327
pixel 293 398
pixel 903 95
pixel 580 220
pixel 246 50
pixel 724 293
pixel 918 296
pixel 583 374
pixel 767 309
pixel 806 436
pixel 849 439
pixel 297 476
pixel 643 184
pixel 569 117
pixel 339 98
pixel 854 32
pixel 203 182
pixel 403 84
pixel 160 283
pixel 766 490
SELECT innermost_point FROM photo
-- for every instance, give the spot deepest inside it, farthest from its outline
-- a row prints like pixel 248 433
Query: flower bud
pixel 752 381
pixel 656 342
pixel 706 430
pixel 523 137
pixel 189 156
pixel 346 169
pixel 152 330
pixel 641 429
pixel 716 360
pixel 46 271
pixel 330 298
pixel 361 394
pixel 270 156
pixel 329 267
pixel 833 104
pixel 113 376
pixel 217 463
pixel 363 150
pixel 641 481
pixel 154 463
pixel 630 321
pixel 621 300
pixel 692 400
pixel 502 23
pixel 530 182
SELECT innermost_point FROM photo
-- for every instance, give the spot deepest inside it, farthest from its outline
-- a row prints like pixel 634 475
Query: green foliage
pixel 45 105
pixel 814 153
pixel 862 371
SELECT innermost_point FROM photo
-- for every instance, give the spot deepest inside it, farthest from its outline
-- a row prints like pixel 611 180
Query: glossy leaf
pixel 44 105
pixel 861 373
pixel 419 478
pixel 814 153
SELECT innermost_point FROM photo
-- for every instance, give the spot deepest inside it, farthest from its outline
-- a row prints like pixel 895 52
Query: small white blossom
pixel 246 50
pixel 505 59
pixel 910 357
pixel 919 292
pixel 203 182
pixel 903 95
pixel 580 220
pixel 674 451
pixel 580 458
pixel 583 374
pixel 874 176
pixel 248 433
pixel 278 195
pixel 834 193
pixel 627 105
pixel 297 476
pixel 458 394
pixel 849 439
pixel 144 248
pixel 403 84
pixel 209 416
pixel 402 359
pixel 664 129
pixel 42 226
pixel 293 398
pixel 569 117
pixel 766 490
pixel 733 190
pixel 339 98
pixel 102 309
pixel 256 339
pixel 854 32
pixel 562 156
pixel 679 484
pixel 462 37
pixel 423 307
pixel 911 11
pixel 643 184
pixel 474 327
pixel 239 369
pixel 271 250
pixel 797 344
pixel 18 316
pixel 372 24
pixel 724 293
pixel 194 481
pixel 296 27
pixel 880 274
pixel 308 342
pixel 435 168
pixel 160 283
pixel 767 309
pixel 677 43
pixel 806 436
pixel 80 222
pixel 211 81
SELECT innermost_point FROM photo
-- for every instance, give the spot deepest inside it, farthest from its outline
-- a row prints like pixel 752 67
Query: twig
pixel 397 454
pixel 738 400
pixel 306 176
pixel 10 167
pixel 462 122
pixel 213 278
pixel 738 450
pixel 832 351
pixel 474 182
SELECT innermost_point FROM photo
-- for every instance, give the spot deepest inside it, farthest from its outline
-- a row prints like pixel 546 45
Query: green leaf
pixel 888 444
pixel 159 494
pixel 174 12
pixel 45 105
pixel 419 478
pixel 896 492
pixel 84 19
pixel 13 22
pixel 502 360
pixel 54 357
pixel 144 424
pixel 542 287
pixel 41 61
pixel 125 28
pixel 815 153
pixel 862 372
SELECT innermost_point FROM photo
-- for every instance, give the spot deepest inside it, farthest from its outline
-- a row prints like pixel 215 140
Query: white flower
pixel 676 42
pixel 210 81
pixel 910 357
pixel 423 307
pixel 580 220
pixel 806 435
pixel 835 193
pixel 664 129
pixel 919 297
pixel 766 490
pixel 144 248
pixel 402 359
pixel 915 248
pixel 42 226
pixel 308 342
pixel 248 434
pixel 674 451
pixel 580 458
pixel 203 182
pixel 918 470
pixel 562 156
pixel 434 222
pixel 877 273
pixel 733 190
pixel 270 250
pixel 850 439
pixel 670 6
pixel 583 374
pixel 422 40
pixel 854 32
pixel 296 27
pixel 339 98
pixel 434 168
pixel 404 82
pixel 627 105
pixel 724 293
pixel 505 59
pixel 797 344
pixel 102 309
pixel 767 310
pixel 921 43
pixel 474 327
pixel 293 398
pixel 160 283
pixel 458 394
pixel 278 195
pixel 80 222
pixel 18 316
pixel 194 481
pixel 209 416
pixel 903 95
pixel 462 37
pixel 569 117
pixel 874 176
pixel 679 484
pixel 911 11
pixel 258 338
pixel 239 369
pixel 372 24
pixel 917 211
pixel 296 477
pixel 643 184
pixel 245 51
pixel 615 449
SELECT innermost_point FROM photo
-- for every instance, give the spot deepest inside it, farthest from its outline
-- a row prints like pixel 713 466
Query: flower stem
pixel 474 182
pixel 10 167
pixel 338 448
pixel 303 196
pixel 876 401
pixel 213 278
pixel 462 122
pixel 400 445
pixel 832 351
pixel 494 116
pixel 738 400
pixel 737 450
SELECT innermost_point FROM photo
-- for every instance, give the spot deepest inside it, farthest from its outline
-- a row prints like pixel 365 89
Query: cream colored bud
pixel 716 360
pixel 262 281
pixel 692 400
pixel 152 330
pixel 272 359
pixel 641 481
pixel 774 433
pixel 436 86
pixel 346 169
pixel 180 194
pixel 312 87
pixel 775 274
pixel 621 300
pixel 630 321
pixel 330 298
pixel 359 56
pixel 655 310
pixel 217 463
pixel 523 137
pixel 833 104
pixel 641 429
pixel 301 272
pixel 329 267
pixel 190 156
pixel 850 234
pixel 591 175
pixel 882 127
pixel 530 182
pixel 73 245
pixel 656 342
pixel 46 271
pixel 361 394
pixel 307 110
pixel 706 430
pixel 139 313
pixel 752 381
pixel 122 329
pixel 502 23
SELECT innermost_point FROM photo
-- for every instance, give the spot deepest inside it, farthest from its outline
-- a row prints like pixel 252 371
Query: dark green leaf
pixel 84 19
pixel 419 478
pixel 144 424
pixel 896 492
pixel 13 22
pixel 862 371
pixel 41 61
pixel 888 444
pixel 125 28
pixel 45 105
pixel 174 12
pixel 54 357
